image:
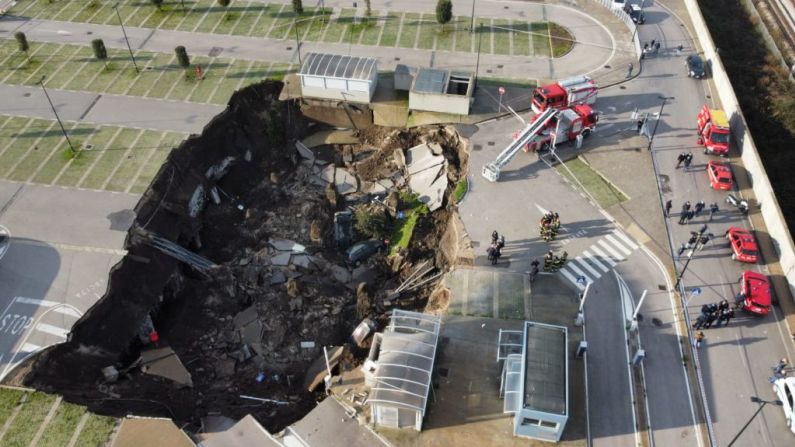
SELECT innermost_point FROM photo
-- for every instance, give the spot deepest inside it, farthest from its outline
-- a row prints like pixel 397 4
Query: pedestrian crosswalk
pixel 598 259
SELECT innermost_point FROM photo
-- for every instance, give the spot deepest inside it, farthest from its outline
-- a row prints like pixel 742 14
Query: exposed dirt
pixel 248 314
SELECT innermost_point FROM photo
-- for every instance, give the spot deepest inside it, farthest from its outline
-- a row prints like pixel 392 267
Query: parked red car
pixel 743 244
pixel 755 296
pixel 720 176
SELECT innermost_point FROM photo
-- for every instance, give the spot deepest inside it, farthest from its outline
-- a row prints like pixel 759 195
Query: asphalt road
pixel 112 110
pixel 64 242
pixel 737 359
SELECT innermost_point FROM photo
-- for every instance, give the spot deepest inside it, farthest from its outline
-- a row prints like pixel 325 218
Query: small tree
pixel 371 222
pixel 22 41
pixel 223 3
pixel 444 11
pixel 157 3
pixel 100 52
pixel 182 57
pixel 298 7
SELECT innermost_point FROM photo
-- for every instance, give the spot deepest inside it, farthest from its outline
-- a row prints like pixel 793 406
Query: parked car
pixel 785 391
pixel 5 241
pixel 361 251
pixel 743 243
pixel 720 176
pixel 755 295
pixel 343 228
pixel 696 68
pixel 635 13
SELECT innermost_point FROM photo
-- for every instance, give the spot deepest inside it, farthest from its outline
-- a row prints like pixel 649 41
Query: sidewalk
pixel 114 110
pixel 595 53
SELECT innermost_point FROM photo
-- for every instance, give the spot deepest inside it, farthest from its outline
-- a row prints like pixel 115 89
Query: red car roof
pixel 757 287
pixel 747 240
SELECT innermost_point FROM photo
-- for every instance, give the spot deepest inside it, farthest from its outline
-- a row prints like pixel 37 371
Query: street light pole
pixel 72 148
pixel 297 42
pixel 116 8
pixel 659 117
pixel 477 61
pixel 472 22
pixel 758 410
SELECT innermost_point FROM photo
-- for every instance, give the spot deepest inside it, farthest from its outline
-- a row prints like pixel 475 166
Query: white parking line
pixel 595 260
pixel 610 250
pixel 52 330
pixel 618 245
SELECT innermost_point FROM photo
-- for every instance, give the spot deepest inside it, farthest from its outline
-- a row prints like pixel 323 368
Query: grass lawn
pixel 62 425
pixel 521 39
pixel 411 26
pixel 27 422
pixel 596 185
pixel 390 34
pixel 8 401
pixel 502 36
pixel 562 40
pixel 413 209
pixel 463 36
pixel 96 431
pixel 108 157
pixel 372 30
pixel 541 39
pixel 428 30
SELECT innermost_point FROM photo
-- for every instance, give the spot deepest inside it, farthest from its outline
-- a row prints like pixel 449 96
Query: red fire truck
pixel 713 131
pixel 565 93
pixel 564 126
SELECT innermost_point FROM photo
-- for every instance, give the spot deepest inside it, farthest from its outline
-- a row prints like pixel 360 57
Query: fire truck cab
pixel 713 131
pixel 564 126
pixel 565 93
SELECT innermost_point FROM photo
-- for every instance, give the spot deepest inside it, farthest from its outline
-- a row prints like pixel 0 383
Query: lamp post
pixel 297 42
pixel 659 117
pixel 477 61
pixel 116 8
pixel 72 148
pixel 472 20
pixel 756 400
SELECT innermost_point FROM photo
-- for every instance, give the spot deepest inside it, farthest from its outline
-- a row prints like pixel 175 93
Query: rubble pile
pixel 234 280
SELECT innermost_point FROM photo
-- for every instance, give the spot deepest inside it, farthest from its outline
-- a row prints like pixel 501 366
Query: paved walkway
pixel 114 110
pixel 598 48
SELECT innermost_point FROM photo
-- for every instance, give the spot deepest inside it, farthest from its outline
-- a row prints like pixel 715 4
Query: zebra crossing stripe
pixel 602 255
pixel 610 250
pixel 29 348
pixel 584 263
pixel 570 265
pixel 595 260
pixel 52 330
pixel 626 239
pixel 572 279
pixel 618 244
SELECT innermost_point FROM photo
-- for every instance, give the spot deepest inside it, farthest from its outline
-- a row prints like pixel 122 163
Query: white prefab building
pixel 535 379
pixel 333 76
pixel 399 368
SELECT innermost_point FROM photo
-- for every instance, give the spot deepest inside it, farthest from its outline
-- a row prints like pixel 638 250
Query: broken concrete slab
pixel 420 158
pixel 341 274
pixel 327 174
pixel 300 261
pixel 430 186
pixel 287 245
pixel 304 151
pixel 345 182
pixel 317 371
pixel 245 317
pixel 343 136
pixel 375 188
pixel 363 274
pixel 281 259
pixel 252 332
pixel 436 148
pixel 163 362
pixel 278 277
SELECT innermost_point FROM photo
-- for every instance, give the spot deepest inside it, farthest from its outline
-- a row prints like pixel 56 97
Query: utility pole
pixel 477 62
pixel 116 8
pixel 472 21
pixel 659 117
pixel 72 148
pixel 297 42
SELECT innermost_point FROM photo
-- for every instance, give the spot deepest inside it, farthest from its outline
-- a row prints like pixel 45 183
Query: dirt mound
pixel 232 260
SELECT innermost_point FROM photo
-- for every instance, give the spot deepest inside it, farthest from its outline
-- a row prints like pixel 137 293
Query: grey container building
pixel 443 91
pixel 535 379
pixel 334 76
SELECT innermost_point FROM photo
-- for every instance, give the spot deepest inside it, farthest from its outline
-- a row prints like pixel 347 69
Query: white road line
pixel 52 330
pixel 610 250
pixel 572 279
pixel 626 239
pixel 29 347
pixel 620 280
pixel 584 263
pixel 579 272
pixel 602 255
pixel 618 245
pixel 35 302
pixel 595 260
pixel 68 311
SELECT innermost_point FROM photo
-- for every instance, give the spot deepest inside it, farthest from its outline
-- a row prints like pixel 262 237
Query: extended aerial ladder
pixel 492 170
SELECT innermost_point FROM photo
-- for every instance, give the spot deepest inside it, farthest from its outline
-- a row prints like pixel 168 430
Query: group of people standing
pixel 715 313
pixel 689 212
pixel 495 249
pixel 553 263
pixel 549 226
pixel 686 158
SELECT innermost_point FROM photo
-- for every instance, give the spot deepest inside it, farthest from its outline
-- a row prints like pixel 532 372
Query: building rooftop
pixel 546 375
pixel 405 360
pixel 430 80
pixel 338 66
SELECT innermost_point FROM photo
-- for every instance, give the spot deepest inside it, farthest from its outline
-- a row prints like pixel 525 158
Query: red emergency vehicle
pixel 565 93
pixel 713 131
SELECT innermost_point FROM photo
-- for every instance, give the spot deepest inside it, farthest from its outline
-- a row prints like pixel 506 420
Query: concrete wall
pixel 536 431
pixel 438 102
pixel 766 199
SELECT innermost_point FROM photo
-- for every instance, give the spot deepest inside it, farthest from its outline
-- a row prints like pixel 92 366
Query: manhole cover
pixel 477 147
pixel 397 58
pixel 89 32
pixel 622 87
pixel 499 66
pixel 26 95
pixel 661 287
pixel 88 147
pixel 657 322
pixel 607 66
pixel 149 67
pixel 488 71
pixel 490 143
pixel 215 51
pixel 289 48
pixel 504 7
